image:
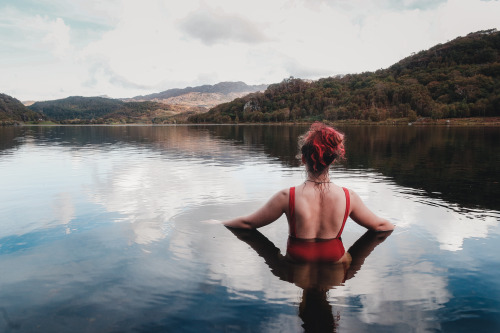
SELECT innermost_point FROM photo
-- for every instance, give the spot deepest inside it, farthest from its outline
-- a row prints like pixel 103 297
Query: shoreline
pixel 472 121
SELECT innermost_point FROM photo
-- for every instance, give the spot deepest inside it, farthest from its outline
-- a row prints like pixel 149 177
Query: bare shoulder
pixel 282 194
pixel 279 199
pixel 266 214
pixel 354 197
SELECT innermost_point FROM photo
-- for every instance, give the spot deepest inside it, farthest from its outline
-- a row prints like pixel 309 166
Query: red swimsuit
pixel 315 249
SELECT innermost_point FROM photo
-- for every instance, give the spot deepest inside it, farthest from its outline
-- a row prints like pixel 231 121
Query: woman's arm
pixel 267 214
pixel 365 217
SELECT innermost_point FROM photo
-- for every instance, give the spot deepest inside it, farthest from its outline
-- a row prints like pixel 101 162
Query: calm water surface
pixel 101 231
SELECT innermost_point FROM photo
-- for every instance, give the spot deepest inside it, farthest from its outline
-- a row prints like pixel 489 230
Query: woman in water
pixel 316 210
pixel 314 278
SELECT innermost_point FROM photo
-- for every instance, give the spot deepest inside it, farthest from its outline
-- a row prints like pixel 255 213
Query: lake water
pixel 101 231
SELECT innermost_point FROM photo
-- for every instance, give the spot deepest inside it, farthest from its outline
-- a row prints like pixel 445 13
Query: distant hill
pixel 13 111
pixel 202 96
pixel 166 107
pixel 219 88
pixel 460 78
pixel 100 110
pixel 77 107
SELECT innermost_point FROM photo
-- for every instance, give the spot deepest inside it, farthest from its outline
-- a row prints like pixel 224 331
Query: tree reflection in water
pixel 315 279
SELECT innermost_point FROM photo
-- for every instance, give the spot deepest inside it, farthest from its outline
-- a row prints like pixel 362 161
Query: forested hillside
pixel 99 110
pixel 77 107
pixel 13 111
pixel 458 79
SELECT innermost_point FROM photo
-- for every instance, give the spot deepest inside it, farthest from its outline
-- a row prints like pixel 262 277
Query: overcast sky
pixel 52 49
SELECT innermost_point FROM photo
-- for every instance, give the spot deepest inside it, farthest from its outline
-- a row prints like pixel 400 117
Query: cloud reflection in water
pixel 159 183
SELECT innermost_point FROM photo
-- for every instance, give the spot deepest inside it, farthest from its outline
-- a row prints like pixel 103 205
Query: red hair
pixel 321 146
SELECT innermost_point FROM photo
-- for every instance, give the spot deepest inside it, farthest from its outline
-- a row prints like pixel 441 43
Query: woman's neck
pixel 320 179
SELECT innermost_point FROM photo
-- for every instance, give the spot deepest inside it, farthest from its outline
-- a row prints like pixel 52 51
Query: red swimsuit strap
pixel 291 207
pixel 347 208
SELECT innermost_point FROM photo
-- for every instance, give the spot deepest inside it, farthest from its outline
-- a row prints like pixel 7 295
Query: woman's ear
pixel 303 160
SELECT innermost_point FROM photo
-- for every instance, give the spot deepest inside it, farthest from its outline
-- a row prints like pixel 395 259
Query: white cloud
pixel 211 27
pixel 127 48
pixel 36 33
pixel 57 36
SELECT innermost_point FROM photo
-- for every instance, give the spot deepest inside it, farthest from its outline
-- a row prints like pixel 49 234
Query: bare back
pixel 319 213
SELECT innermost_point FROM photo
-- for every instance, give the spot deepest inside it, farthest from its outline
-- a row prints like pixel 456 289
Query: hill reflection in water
pixel 457 164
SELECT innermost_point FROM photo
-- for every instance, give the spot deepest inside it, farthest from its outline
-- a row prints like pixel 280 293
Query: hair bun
pixel 321 146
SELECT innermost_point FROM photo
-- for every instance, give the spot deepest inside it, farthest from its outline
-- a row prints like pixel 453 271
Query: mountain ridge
pixel 164 107
pixel 225 87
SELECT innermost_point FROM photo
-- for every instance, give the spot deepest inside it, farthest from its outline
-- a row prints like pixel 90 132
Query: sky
pixel 51 49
